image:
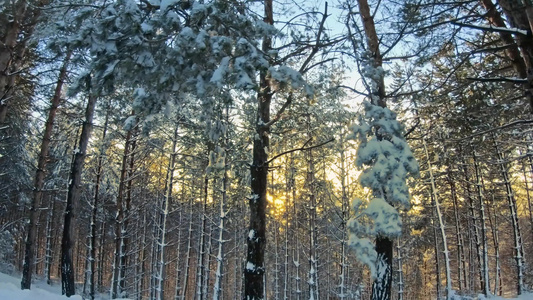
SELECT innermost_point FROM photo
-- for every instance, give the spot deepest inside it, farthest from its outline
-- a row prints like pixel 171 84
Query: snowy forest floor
pixel 10 290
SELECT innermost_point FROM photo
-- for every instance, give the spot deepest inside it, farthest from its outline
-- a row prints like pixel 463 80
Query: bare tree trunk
pixel 437 260
pixel 495 238
pixel 200 267
pixel 13 48
pixel 475 231
pixel 217 289
pixel 296 218
pixel 345 206
pixel 449 291
pixel 189 248
pixel 400 272
pixel 485 268
pixel 40 176
pixel 255 257
pixel 88 288
pixel 517 235
pixel 141 268
pixel 528 192
pixel 101 256
pixel 163 218
pixel 68 287
pixel 49 251
pixel 118 283
pixel 177 290
pixel 458 232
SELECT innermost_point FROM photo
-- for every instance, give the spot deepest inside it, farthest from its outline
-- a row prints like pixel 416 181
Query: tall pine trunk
pixel 254 269
pixel 73 196
pixel 119 263
pixel 165 205
pixel 40 176
pixel 91 257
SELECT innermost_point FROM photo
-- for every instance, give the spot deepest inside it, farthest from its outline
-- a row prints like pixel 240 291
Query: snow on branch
pixel 494 28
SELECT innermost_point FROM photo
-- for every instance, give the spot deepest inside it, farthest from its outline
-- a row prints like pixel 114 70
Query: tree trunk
pixel 117 283
pixel 255 257
pixel 475 231
pixel 40 176
pixel 217 289
pixel 517 235
pixel 10 60
pixel 485 268
pixel 88 289
pixel 310 182
pixel 73 196
pixel 164 216
pixel 200 265
pixel 381 287
pixel 189 248
pixel 517 16
pixel 458 232
pixel 49 251
pixel 449 291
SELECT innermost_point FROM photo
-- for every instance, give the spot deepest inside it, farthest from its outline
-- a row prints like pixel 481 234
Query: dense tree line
pixel 267 150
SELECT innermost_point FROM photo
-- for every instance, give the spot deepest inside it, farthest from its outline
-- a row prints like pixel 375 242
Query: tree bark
pixel 381 287
pixel 117 282
pixel 73 197
pixel 254 269
pixel 40 175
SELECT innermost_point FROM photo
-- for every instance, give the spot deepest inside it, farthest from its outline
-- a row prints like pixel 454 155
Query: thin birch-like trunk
pixel 163 219
pixel 449 291
pixel 88 289
pixel 517 235
pixel 479 188
pixel 217 289
pixel 188 255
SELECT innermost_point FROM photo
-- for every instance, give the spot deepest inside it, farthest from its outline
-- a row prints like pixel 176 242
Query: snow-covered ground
pixel 10 290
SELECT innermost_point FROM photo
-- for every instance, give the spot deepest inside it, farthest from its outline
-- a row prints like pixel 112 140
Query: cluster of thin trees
pixel 191 150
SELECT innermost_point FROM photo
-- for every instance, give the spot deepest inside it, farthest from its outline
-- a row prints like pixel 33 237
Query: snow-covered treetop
pixel 169 49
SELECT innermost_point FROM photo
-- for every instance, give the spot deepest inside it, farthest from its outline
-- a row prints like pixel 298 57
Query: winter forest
pixel 288 149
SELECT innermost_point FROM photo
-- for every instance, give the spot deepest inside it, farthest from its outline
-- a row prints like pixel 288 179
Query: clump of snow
pixel 387 161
